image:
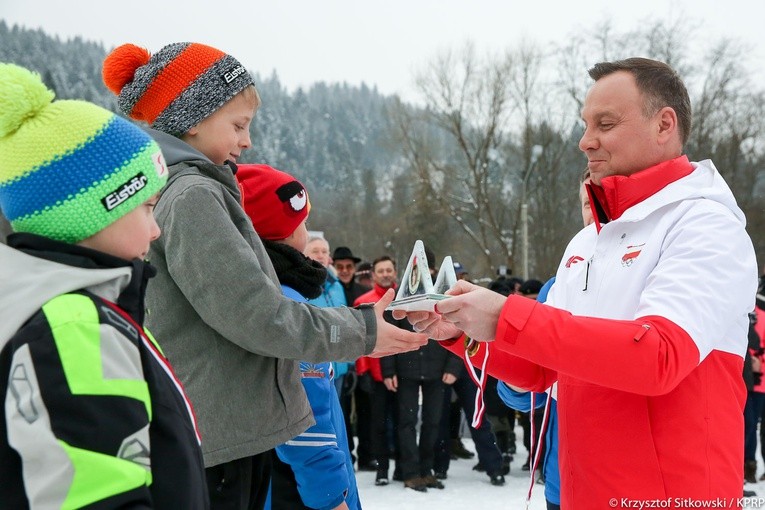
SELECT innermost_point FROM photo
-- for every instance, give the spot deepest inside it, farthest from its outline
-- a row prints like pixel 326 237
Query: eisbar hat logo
pixel 232 75
pixel 124 192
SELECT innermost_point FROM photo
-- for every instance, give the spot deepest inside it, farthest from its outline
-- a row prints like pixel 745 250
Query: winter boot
pixel 416 483
pixel 750 471
pixel 382 477
pixel 458 449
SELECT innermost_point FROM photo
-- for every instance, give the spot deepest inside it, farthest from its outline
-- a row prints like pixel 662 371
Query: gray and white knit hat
pixel 177 87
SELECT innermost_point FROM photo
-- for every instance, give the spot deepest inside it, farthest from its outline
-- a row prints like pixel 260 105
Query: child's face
pixel 226 133
pixel 129 237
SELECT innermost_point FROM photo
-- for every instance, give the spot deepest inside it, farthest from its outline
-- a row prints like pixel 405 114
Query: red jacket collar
pixel 380 291
pixel 617 193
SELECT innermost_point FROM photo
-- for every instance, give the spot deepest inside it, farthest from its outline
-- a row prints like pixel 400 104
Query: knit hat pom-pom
pixel 22 96
pixel 121 64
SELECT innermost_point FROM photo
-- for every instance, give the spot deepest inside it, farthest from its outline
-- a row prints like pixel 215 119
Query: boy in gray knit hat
pixel 217 302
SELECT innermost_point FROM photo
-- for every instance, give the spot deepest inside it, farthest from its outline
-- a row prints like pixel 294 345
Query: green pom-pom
pixel 22 96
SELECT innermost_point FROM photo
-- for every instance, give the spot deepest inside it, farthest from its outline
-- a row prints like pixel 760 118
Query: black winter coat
pixel 430 361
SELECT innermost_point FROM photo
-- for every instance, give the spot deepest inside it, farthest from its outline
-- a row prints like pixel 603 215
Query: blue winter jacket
pixel 332 295
pixel 319 457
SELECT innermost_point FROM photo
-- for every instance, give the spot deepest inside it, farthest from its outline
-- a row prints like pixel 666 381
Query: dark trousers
pixel 345 393
pixel 446 428
pixel 762 433
pixel 284 491
pixel 417 460
pixel 455 415
pixel 755 403
pixel 241 484
pixel 382 402
pixel 502 418
pixel 364 423
pixel 524 420
pixel 485 443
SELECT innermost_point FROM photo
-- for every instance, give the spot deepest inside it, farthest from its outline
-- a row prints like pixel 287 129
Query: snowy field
pixel 467 489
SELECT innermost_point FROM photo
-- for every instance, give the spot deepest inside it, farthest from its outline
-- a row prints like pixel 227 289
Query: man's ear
pixel 666 124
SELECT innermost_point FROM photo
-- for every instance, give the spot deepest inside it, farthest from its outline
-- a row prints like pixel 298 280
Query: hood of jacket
pixel 35 269
pixel 183 159
pixel 174 149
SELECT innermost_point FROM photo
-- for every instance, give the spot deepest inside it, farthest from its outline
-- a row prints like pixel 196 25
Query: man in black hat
pixel 345 265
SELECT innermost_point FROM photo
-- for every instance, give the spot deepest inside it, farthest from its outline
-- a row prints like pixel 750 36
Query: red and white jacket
pixel 645 345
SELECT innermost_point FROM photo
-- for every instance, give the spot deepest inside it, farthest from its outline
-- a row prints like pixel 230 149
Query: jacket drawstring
pixel 535 451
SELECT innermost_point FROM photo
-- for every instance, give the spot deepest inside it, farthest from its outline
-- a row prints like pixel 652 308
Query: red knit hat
pixel 275 201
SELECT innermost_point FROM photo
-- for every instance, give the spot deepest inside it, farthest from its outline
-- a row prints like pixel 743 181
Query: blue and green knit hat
pixel 69 169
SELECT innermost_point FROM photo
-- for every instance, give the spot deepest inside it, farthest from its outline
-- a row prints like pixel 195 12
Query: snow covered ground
pixel 466 489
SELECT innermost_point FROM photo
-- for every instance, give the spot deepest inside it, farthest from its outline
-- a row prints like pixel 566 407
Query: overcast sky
pixel 376 42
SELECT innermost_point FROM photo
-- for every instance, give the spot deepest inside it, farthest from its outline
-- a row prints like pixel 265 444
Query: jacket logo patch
pixel 633 251
pixel 134 450
pixel 573 260
pixel 311 371
pixel 23 390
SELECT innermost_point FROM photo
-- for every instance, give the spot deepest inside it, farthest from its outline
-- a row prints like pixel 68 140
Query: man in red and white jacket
pixel 647 352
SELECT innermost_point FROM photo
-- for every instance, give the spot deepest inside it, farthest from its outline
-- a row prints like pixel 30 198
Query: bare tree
pixel 453 144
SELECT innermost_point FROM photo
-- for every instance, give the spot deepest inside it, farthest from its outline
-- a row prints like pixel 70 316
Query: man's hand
pixel 429 323
pixel 448 378
pixel 391 383
pixel 392 339
pixel 472 309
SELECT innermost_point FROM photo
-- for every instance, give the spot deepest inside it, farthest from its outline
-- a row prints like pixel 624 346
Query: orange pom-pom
pixel 120 65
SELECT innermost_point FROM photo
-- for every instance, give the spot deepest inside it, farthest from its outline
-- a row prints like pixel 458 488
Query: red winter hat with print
pixel 276 202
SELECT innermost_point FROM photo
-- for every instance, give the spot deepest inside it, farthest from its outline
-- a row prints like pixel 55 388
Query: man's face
pixel 618 138
pixel 345 268
pixel 384 274
pixel 318 250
